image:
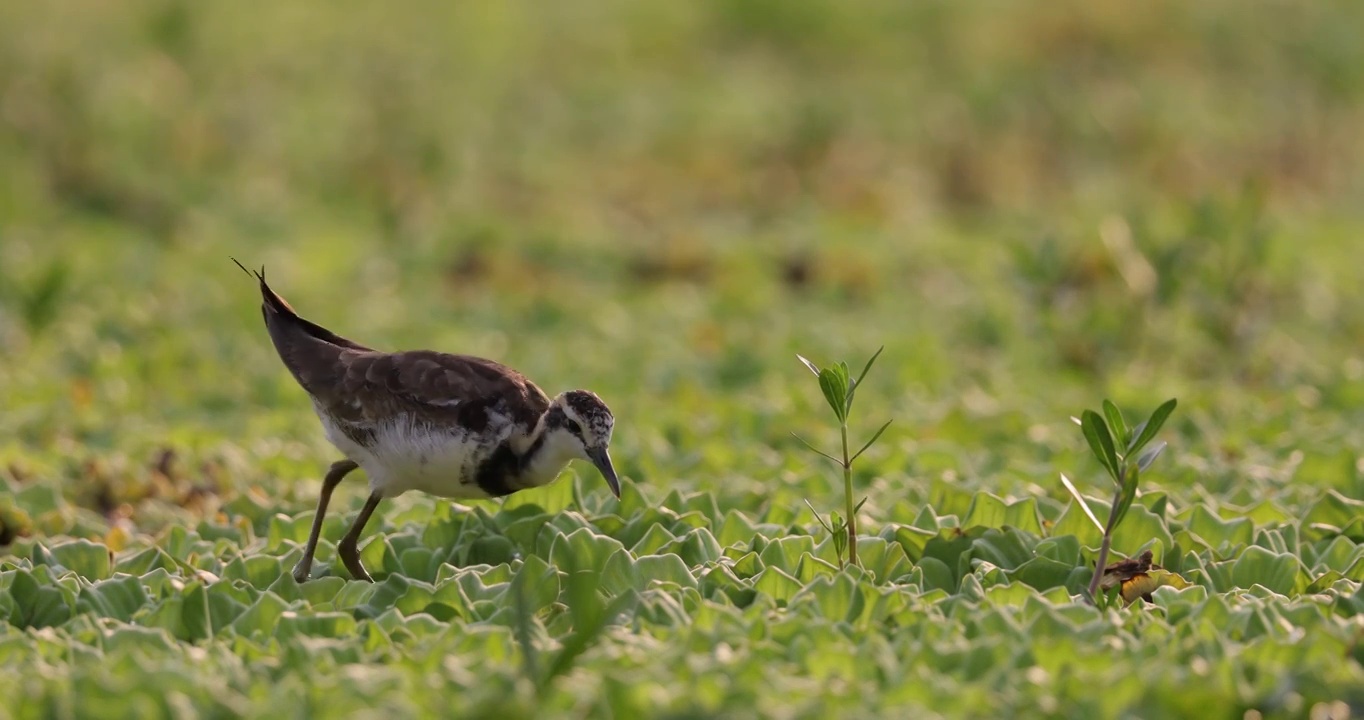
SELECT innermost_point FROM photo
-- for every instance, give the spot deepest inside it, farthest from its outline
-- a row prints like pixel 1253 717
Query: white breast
pixel 408 455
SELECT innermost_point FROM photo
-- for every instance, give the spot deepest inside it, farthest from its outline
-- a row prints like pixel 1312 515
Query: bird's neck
pixel 547 452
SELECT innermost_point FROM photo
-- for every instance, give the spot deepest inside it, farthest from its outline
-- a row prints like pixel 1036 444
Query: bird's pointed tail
pixel 311 352
pixel 270 300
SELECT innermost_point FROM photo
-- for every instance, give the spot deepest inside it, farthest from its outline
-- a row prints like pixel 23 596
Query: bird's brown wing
pixel 360 387
pixel 440 389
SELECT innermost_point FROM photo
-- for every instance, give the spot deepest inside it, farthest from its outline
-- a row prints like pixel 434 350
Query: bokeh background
pixel 1031 206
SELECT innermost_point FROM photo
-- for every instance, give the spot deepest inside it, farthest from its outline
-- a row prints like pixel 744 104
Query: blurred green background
pixel 1032 206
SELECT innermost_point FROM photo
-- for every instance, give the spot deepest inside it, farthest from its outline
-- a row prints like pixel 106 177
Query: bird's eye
pixel 575 426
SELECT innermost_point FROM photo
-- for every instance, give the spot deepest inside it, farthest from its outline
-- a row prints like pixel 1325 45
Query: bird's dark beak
pixel 602 460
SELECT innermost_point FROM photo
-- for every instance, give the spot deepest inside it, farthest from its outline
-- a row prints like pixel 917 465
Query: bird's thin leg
pixel 334 476
pixel 349 549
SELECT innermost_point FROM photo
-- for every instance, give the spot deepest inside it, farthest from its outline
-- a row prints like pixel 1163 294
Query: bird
pixel 449 425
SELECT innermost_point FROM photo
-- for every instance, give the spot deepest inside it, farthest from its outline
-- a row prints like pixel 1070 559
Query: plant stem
pixel 1103 548
pixel 848 495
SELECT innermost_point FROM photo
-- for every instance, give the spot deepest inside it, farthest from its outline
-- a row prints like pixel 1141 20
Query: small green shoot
pixel 839 388
pixel 837 528
pixel 1124 460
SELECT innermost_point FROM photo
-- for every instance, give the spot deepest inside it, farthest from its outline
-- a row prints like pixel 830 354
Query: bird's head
pixel 580 422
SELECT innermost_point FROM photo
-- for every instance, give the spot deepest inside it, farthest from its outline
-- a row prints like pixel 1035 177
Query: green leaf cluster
pixel 505 607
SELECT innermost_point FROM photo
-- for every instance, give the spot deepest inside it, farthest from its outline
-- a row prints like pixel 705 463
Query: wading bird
pixel 452 426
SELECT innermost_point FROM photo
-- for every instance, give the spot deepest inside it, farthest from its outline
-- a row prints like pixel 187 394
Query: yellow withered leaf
pixel 1139 577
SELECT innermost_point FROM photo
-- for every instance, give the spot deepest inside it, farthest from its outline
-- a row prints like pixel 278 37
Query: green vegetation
pixel 1123 464
pixel 839 389
pixel 1031 207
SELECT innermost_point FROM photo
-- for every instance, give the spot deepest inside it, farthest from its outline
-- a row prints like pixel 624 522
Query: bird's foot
pixel 302 569
pixel 350 557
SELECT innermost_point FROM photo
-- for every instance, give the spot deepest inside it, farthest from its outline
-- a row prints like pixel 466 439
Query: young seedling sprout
pixel 1125 466
pixel 839 388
